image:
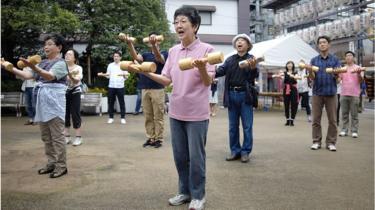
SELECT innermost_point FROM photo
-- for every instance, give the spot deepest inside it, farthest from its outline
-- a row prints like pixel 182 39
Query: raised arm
pixel 158 56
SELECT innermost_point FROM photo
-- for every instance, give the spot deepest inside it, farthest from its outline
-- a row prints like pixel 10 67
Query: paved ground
pixel 112 171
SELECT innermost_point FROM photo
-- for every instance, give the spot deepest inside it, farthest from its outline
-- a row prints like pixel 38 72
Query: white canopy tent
pixel 278 51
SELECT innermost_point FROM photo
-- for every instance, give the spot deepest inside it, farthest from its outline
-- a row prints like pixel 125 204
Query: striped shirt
pixel 325 83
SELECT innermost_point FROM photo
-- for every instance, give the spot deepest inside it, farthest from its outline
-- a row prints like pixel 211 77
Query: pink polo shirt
pixel 350 82
pixel 189 99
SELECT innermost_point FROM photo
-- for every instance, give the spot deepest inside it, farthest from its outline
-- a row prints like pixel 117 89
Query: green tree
pixel 102 21
pixel 22 23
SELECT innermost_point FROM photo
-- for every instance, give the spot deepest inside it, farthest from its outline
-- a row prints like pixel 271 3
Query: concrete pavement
pixel 111 170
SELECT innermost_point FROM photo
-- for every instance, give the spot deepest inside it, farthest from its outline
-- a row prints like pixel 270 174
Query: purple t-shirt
pixel 189 99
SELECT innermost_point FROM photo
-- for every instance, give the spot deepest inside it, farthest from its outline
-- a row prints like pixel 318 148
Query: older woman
pixel 189 111
pixel 238 83
pixel 49 91
pixel 73 97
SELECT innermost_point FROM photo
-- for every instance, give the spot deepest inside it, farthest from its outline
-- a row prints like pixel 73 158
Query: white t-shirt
pixel 302 85
pixel 115 81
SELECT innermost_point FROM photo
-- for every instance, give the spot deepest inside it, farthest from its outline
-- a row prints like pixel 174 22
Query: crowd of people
pixel 54 93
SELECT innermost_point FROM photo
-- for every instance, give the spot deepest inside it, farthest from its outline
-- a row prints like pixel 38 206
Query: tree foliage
pixel 95 22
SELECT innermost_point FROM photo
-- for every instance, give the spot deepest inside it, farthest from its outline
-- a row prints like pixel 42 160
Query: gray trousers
pixel 54 142
pixel 349 104
pixel 188 143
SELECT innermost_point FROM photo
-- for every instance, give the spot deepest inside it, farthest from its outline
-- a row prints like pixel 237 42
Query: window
pixel 206 17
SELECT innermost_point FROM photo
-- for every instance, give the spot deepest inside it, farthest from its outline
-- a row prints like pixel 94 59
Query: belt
pixel 237 88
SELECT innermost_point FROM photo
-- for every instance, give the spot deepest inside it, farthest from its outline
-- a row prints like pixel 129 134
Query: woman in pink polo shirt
pixel 349 99
pixel 189 111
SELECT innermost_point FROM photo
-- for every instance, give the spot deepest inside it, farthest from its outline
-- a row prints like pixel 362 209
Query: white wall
pixel 226 49
pixel 224 20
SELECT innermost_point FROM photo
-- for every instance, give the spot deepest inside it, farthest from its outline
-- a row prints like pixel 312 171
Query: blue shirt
pixel 145 82
pixel 325 83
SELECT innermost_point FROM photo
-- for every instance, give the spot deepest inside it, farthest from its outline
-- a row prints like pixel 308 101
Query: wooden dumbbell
pixel 336 70
pixel 211 58
pixel 361 68
pixel 121 36
pixel 35 59
pixel 246 63
pixel 302 65
pixel 144 67
pixel 7 65
pixel 159 38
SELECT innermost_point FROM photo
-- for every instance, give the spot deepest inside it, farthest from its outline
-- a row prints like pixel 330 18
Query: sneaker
pixel 355 135
pixel 158 143
pixel 315 146
pixel 123 121
pixel 110 121
pixel 149 142
pixel 343 133
pixel 179 200
pixel 196 204
pixel 77 141
pixel 309 118
pixel 68 140
pixel 331 147
pixel 29 122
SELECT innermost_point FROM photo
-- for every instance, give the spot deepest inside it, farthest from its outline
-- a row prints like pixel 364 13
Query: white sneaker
pixel 309 118
pixel 77 141
pixel 331 147
pixel 110 121
pixel 315 146
pixel 355 135
pixel 67 140
pixel 179 200
pixel 343 133
pixel 196 204
pixel 123 121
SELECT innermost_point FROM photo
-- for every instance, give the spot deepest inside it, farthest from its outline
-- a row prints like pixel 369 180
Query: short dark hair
pixel 191 13
pixel 117 52
pixel 350 52
pixel 57 39
pixel 286 66
pixel 323 37
pixel 152 33
pixel 76 54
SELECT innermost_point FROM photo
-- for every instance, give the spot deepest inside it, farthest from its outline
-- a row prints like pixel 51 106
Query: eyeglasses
pixel 49 44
